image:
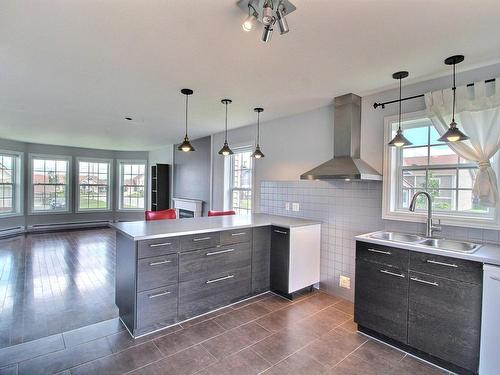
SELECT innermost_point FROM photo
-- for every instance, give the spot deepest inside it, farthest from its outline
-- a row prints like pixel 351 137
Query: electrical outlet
pixel 345 282
pixel 295 207
pixel 287 206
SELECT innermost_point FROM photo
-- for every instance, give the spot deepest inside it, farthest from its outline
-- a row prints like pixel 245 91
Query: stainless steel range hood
pixel 346 163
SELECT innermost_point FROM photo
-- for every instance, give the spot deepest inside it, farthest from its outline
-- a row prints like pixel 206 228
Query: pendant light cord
pixel 399 125
pixel 454 94
pixel 225 138
pixel 186 116
pixel 258 128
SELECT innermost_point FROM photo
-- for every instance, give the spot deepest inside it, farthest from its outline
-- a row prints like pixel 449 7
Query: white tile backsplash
pixel 346 210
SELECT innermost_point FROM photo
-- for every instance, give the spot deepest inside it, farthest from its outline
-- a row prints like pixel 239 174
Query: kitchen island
pixel 170 271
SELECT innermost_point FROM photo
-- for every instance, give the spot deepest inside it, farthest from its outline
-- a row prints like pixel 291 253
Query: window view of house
pixel 50 185
pixel 241 182
pixel 7 183
pixel 94 185
pixel 433 166
pixel 132 190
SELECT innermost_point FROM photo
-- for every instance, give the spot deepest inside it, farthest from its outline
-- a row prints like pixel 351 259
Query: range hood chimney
pixel 346 163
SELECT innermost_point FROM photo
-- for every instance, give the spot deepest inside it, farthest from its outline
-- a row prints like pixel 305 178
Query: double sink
pixel 436 243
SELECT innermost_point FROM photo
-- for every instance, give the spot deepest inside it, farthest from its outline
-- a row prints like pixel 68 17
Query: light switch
pixel 345 282
pixel 287 206
pixel 295 207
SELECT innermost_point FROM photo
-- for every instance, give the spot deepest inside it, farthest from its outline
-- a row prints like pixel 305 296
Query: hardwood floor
pixel 265 335
pixel 55 282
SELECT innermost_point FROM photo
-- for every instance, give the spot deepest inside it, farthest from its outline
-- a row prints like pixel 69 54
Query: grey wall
pixel 192 172
pixel 73 216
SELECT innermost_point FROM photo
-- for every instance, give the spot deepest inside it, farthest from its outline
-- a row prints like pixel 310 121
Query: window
pixel 431 166
pixel 50 183
pixel 241 181
pixel 132 185
pixel 10 183
pixel 94 185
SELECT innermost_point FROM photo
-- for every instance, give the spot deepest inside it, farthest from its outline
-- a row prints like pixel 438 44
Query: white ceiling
pixel 70 71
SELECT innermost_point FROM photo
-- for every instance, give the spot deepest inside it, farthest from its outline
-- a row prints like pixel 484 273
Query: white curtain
pixel 477 114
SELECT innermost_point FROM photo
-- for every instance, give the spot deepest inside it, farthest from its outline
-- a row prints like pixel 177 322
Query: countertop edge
pixel 486 254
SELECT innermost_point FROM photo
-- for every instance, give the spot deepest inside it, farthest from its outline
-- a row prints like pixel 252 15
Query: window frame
pixel 17 186
pixel 231 188
pixel 69 184
pixel 119 196
pixel 110 184
pixel 392 186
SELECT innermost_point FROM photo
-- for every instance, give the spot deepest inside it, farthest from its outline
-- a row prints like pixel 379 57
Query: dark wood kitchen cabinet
pixel 261 255
pixel 427 304
pixel 160 187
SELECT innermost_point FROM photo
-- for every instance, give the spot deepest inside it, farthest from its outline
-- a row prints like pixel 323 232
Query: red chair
pixel 160 215
pixel 221 213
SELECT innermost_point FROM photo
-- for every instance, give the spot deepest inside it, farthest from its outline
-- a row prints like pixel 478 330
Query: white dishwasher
pixel 489 360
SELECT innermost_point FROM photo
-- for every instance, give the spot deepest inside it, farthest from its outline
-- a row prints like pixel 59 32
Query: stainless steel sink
pixel 451 245
pixel 398 237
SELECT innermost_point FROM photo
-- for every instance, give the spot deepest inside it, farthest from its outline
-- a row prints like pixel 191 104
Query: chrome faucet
pixel 429 228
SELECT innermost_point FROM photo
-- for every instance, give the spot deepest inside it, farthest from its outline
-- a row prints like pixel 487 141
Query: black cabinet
pixel 381 299
pixel 280 260
pixel 261 255
pixel 160 187
pixel 445 318
pixel 427 304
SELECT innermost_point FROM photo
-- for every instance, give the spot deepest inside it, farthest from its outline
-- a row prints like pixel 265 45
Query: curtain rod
pixel 376 105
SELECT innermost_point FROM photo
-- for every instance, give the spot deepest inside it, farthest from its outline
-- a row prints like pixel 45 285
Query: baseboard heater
pixel 7 232
pixel 67 225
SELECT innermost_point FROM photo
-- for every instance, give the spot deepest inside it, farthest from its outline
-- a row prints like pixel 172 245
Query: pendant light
pixel 225 150
pixel 257 154
pixel 186 146
pixel 399 139
pixel 453 134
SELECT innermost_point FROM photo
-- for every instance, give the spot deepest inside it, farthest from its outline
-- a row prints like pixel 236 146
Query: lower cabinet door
pixel 205 294
pixel 261 258
pixel 444 319
pixel 156 307
pixel 381 299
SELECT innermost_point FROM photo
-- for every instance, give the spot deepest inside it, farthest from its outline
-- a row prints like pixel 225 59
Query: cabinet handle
pixel 280 231
pixel 160 244
pixel 219 252
pixel 219 279
pixel 441 263
pixel 495 278
pixel 160 262
pixel 380 251
pixel 423 281
pixel 201 239
pixel 238 234
pixel 159 294
pixel 393 273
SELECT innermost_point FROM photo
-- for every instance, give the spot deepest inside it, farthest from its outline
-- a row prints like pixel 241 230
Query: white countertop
pixel 487 253
pixel 144 230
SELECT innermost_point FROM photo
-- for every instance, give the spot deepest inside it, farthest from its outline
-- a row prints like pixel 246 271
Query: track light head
pixel 267 33
pixel 282 22
pixel 250 21
pixel 267 14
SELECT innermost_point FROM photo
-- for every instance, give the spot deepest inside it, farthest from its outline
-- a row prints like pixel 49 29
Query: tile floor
pixel 315 334
pixel 55 282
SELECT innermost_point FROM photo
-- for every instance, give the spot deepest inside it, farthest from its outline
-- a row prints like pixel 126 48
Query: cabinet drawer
pixel 381 299
pixel 236 236
pixel 160 246
pixel 207 262
pixel 451 268
pixel 391 256
pixel 157 306
pixel 202 295
pixel 200 241
pixel 157 272
pixel 445 318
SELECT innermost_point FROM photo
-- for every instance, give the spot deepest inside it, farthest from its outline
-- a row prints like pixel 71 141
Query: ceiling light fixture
pixel 453 134
pixel 186 146
pixel 257 154
pixel 399 139
pixel 251 19
pixel 265 12
pixel 225 150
